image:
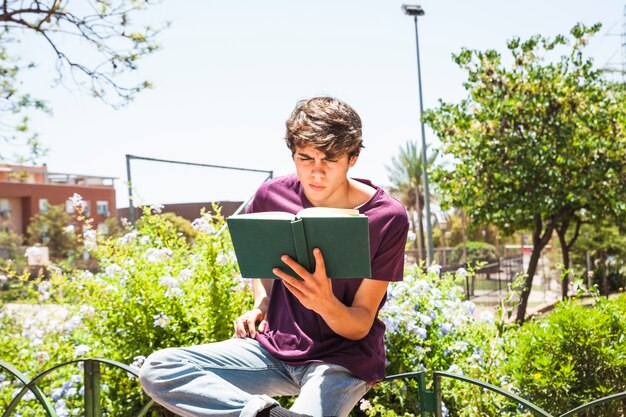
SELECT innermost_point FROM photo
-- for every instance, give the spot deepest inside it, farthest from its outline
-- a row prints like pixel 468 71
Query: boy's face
pixel 324 179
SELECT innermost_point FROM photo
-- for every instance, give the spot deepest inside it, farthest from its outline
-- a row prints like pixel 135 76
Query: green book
pixel 260 239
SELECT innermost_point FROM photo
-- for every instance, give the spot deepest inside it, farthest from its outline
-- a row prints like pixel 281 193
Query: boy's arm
pixel 315 292
pixel 246 324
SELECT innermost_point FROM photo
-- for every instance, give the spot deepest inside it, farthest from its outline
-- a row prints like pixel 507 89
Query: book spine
pixel 297 228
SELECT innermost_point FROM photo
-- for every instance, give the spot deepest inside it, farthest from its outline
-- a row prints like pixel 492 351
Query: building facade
pixel 26 191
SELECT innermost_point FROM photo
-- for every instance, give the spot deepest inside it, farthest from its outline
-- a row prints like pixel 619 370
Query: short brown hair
pixel 327 124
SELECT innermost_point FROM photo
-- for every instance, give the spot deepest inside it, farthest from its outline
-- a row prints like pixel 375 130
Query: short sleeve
pixel 388 261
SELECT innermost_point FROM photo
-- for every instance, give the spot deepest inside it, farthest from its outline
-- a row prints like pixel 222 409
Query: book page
pixel 267 215
pixel 327 212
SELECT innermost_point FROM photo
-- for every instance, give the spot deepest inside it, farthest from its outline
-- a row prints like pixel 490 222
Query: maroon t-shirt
pixel 297 335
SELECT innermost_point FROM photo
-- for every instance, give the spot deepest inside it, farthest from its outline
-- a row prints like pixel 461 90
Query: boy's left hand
pixel 314 290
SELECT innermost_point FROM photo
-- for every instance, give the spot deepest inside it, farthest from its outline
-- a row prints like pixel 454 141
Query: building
pixel 27 190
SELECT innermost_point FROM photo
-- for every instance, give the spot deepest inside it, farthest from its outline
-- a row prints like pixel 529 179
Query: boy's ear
pixel 352 161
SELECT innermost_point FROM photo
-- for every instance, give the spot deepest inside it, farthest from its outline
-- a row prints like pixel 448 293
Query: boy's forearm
pixel 261 289
pixel 353 323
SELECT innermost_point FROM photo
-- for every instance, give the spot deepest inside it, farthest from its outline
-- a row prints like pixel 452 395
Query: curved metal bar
pixel 532 407
pixel 28 385
pixel 404 375
pixel 43 399
pixel 594 403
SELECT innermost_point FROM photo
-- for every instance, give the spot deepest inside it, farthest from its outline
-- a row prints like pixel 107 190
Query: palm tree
pixel 406 177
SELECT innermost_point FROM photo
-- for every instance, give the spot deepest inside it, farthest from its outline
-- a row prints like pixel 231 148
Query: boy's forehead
pixel 312 151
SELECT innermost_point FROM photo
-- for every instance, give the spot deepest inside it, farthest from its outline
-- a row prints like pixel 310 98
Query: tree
pixel 53 228
pixel 406 176
pixel 535 144
pixel 96 44
pixel 595 246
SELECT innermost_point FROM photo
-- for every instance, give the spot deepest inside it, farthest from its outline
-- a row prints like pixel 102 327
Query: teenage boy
pixel 315 337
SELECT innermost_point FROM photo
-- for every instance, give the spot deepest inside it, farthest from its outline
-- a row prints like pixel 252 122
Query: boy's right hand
pixel 245 325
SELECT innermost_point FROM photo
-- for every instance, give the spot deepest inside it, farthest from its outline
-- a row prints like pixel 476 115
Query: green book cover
pixel 260 239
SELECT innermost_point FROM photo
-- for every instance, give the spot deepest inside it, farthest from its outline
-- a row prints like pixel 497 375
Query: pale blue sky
pixel 230 72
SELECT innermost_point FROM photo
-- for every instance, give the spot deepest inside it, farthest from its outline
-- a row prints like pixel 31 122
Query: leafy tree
pixel 51 229
pixel 535 143
pixel 96 43
pixel 601 242
pixel 406 177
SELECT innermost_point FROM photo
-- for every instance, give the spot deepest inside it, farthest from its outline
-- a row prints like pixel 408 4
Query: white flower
pixel 3 279
pixel 185 274
pixel 157 208
pixel 202 225
pixel 411 236
pixel 174 293
pixel 486 317
pixel 33 251
pixel 168 282
pixel 155 255
pixel 434 269
pixel 112 269
pixel 160 320
pixel 69 229
pixel 44 286
pixel 78 202
pixel 89 239
pixel 461 272
pixel 128 238
pixel 222 258
pixel 365 405
pixel 42 356
pixel 454 369
pixel 80 350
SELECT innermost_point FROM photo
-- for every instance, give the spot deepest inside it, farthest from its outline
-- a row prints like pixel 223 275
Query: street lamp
pixel 416 10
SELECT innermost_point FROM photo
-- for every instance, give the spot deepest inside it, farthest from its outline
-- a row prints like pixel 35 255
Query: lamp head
pixel 412 10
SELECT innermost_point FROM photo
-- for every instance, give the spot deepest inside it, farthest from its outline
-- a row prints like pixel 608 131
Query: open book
pixel 260 239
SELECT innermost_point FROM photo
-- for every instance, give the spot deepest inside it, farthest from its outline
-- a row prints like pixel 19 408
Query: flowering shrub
pixel 430 326
pixel 154 289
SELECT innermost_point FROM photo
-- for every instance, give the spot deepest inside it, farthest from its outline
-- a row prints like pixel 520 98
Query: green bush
pixel 476 252
pixel 430 326
pixel 572 356
pixel 154 290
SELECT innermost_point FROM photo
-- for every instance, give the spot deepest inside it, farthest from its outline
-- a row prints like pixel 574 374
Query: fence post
pixel 427 398
pixel 92 388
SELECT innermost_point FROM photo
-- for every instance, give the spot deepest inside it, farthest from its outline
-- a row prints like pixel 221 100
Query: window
pixel 102 208
pixel 87 208
pixel 5 208
pixel 43 205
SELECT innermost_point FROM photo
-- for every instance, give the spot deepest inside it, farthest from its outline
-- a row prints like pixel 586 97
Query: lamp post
pixel 415 11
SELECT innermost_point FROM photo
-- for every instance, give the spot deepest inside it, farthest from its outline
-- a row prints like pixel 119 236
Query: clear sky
pixel 230 73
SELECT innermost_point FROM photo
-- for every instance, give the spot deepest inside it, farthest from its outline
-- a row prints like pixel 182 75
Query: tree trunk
pixel 566 264
pixel 539 242
pixel 604 276
pixel 565 250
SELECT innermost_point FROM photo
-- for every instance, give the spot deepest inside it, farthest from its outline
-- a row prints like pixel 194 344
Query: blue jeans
pixel 237 377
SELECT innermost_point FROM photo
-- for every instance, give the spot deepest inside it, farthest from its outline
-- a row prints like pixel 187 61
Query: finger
pixel 295 266
pixel 239 330
pixel 285 277
pixel 250 327
pixel 262 326
pixel 320 265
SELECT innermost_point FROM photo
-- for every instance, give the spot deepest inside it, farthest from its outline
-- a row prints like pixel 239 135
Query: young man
pixel 315 337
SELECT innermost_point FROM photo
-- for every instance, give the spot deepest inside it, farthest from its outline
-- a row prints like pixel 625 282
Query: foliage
pixel 572 356
pixel 53 229
pixel 154 290
pixel 606 247
pixel 430 327
pixel 535 143
pixel 173 224
pixel 96 46
pixel 476 252
pixel 406 174
pixel 13 244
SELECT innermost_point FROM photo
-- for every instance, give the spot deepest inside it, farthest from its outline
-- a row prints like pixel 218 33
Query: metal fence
pixel 430 401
